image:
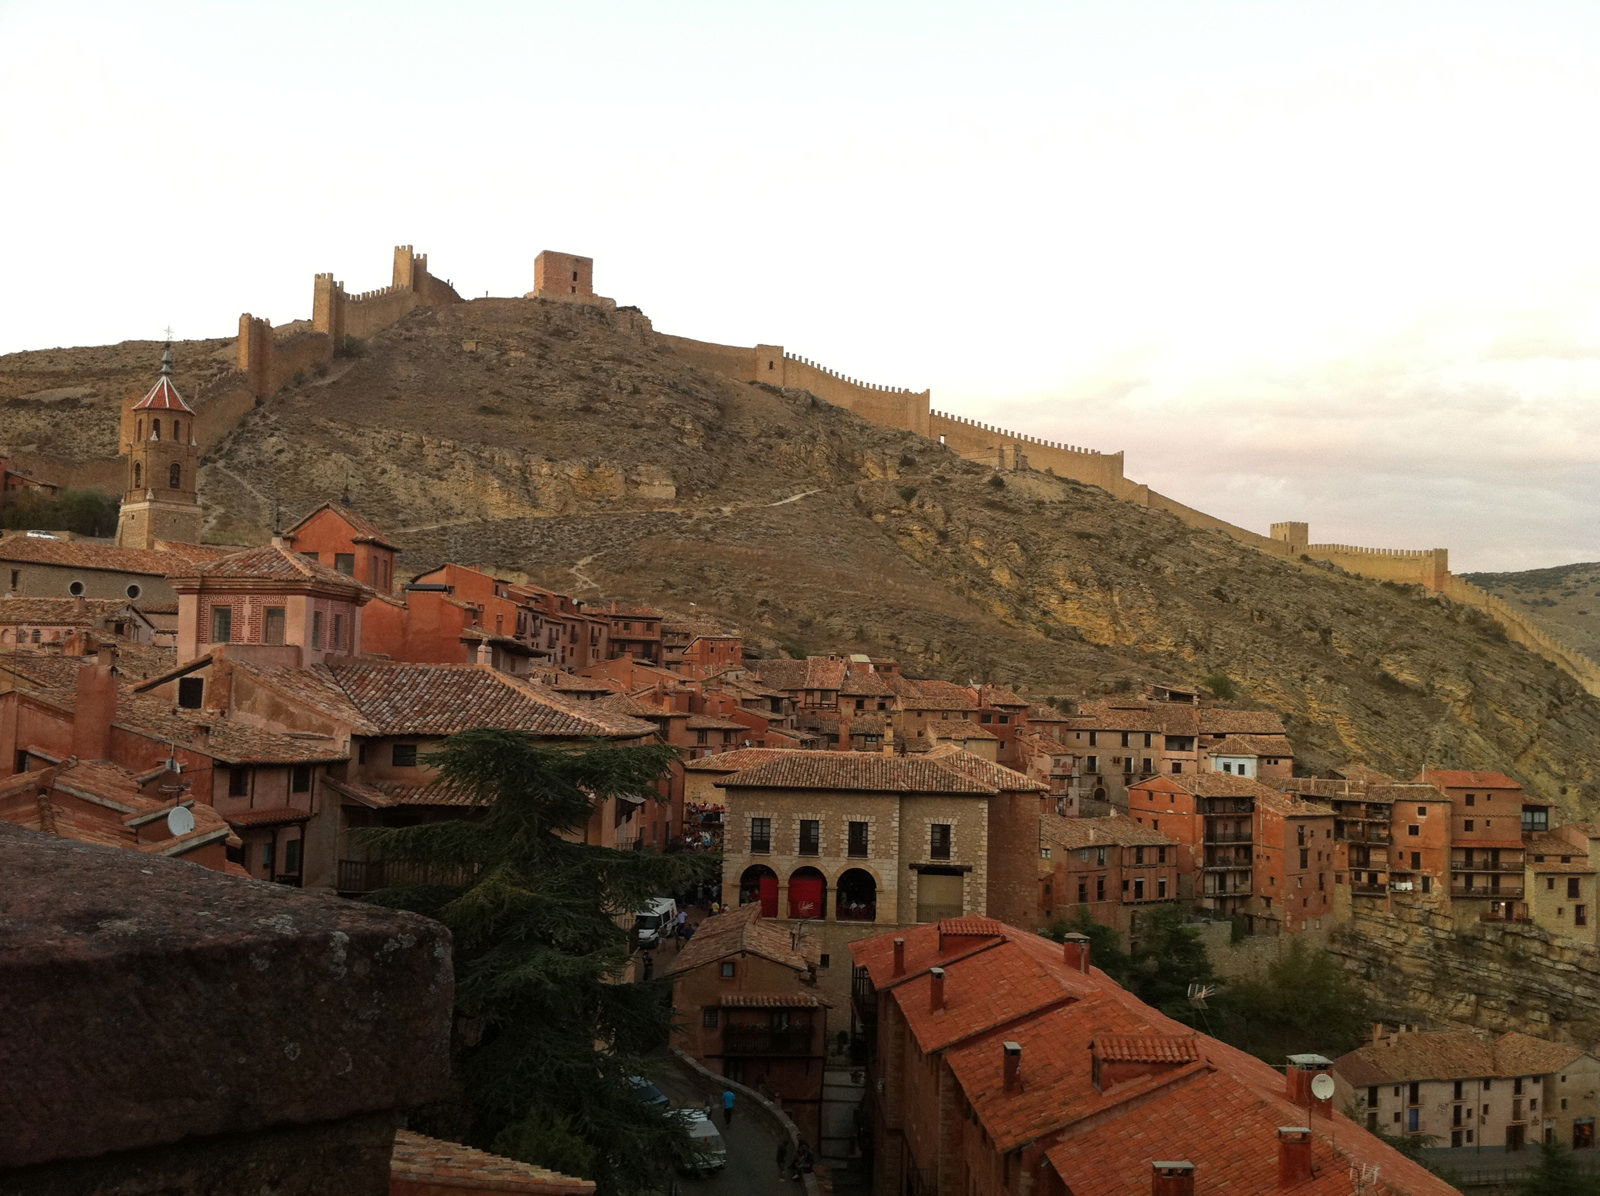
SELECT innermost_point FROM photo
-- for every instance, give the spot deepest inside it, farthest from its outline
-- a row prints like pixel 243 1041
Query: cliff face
pixel 1425 969
pixel 572 446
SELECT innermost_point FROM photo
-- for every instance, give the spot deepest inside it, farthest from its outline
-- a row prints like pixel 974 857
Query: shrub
pixel 998 482
pixel 1221 686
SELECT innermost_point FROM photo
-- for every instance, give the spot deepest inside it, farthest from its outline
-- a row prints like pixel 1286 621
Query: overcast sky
pixel 1335 262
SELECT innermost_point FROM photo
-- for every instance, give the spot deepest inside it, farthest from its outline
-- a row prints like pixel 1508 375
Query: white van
pixel 654 922
pixel 709 1151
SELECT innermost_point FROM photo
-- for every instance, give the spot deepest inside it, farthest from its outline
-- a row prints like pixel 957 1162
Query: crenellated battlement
pixel 1021 437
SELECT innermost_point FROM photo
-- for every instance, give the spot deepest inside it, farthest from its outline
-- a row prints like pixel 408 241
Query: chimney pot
pixel 936 991
pixel 1294 1155
pixel 899 957
pixel 1075 950
pixel 1172 1178
pixel 1013 1065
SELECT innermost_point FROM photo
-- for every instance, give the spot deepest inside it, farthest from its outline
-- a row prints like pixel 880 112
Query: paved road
pixel 752 1168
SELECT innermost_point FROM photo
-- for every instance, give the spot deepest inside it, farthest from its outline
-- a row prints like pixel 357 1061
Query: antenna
pixel 1199 992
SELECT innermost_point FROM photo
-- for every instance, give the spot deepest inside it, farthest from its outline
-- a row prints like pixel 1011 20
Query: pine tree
pixel 548 1035
pixel 1557 1174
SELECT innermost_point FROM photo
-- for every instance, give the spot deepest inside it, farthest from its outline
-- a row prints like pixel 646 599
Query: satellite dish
pixel 1322 1086
pixel 180 820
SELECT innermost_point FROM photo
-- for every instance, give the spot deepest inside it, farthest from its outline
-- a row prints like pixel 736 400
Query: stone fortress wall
pixel 1004 449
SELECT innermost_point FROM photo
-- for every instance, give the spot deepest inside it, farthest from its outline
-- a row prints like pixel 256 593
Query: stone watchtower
pixel 160 501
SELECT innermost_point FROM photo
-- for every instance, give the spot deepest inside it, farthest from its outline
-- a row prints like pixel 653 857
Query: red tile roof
pixel 163 396
pixel 1453 1055
pixel 1458 778
pixel 443 699
pixel 736 760
pixel 1147 1048
pixel 60 612
pixel 444 1165
pixel 92 554
pixel 1254 745
pixel 385 795
pixel 774 1001
pixel 862 772
pixel 270 816
pixel 274 562
pixel 745 930
pixel 366 531
pixel 1117 830
pixel 985 772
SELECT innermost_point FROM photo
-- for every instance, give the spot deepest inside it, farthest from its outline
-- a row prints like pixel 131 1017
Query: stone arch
pixel 138 474
pixel 155 429
pixel 760 883
pixel 856 895
pixel 808 893
pixel 175 477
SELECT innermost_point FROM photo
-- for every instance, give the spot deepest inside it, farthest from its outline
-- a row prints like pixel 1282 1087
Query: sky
pixel 1311 261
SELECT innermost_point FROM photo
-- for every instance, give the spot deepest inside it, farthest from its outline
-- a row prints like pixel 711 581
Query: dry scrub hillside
pixel 566 445
pixel 1565 600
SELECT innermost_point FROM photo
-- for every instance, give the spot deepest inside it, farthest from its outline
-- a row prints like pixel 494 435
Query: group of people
pixel 802 1162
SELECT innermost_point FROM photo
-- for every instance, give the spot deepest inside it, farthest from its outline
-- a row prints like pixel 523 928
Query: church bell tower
pixel 160 501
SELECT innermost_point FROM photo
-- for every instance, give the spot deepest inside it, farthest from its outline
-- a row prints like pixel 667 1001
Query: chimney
pixel 1013 1072
pixel 1300 1083
pixel 96 707
pixel 1075 950
pixel 485 653
pixel 936 991
pixel 1174 1178
pixel 1294 1155
pixel 899 957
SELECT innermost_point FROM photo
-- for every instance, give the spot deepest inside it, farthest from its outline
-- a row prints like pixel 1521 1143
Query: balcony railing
pixel 1226 866
pixel 768 1042
pixel 1228 891
pixel 1509 893
pixel 1463 865
pixel 1369 890
pixel 364 876
pixel 1227 836
pixel 867 912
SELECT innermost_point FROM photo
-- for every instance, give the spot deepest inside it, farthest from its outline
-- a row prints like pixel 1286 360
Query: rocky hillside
pixel 1565 600
pixel 569 446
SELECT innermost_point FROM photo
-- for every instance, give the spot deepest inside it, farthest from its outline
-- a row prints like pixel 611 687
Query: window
pixel 155 431
pixel 1516 1086
pixel 222 624
pixel 1099 888
pixel 1413 830
pixel 175 477
pixel 1138 855
pixel 728 969
pixel 1458 1090
pixel 810 836
pixel 1138 889
pixel 1416 859
pixel 1372 1097
pixel 138 475
pixel 708 1017
pixel 300 779
pixel 1580 915
pixel 316 629
pixel 1422 811
pixel 1161 887
pixel 1467 825
pixel 403 755
pixel 1305 861
pixel 1550 884
pixel 291 857
pixel 337 641
pixel 1091 739
pixel 1472 799
pixel 824 961
pixel 345 562
pixel 1124 739
pixel 274 624
pixel 1177 766
pixel 1146 762
pixel 133 591
pixel 266 857
pixel 858 839
pixel 1083 892
pixel 1091 764
pixel 939 841
pixel 238 782
pixel 761 835
pixel 191 692
pixel 1572 886
pixel 1161 852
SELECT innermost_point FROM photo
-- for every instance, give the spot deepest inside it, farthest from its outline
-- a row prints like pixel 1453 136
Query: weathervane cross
pixel 168 331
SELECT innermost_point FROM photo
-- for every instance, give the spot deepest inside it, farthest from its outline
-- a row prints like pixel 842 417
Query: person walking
pixel 649 964
pixel 727 1106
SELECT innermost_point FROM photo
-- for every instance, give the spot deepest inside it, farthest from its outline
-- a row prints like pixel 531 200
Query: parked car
pixel 708 1151
pixel 648 1092
pixel 653 922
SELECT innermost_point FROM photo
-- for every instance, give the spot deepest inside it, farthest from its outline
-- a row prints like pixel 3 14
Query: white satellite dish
pixel 1322 1086
pixel 180 820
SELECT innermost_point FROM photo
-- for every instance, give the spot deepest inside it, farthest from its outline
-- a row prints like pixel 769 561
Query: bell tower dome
pixel 160 500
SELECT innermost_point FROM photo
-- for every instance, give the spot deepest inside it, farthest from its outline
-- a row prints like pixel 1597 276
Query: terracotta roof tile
pixel 277 563
pixel 1452 1055
pixel 864 772
pixel 92 554
pixel 385 795
pixel 60 612
pixel 707 722
pixel 1254 745
pixel 736 760
pixel 745 930
pixel 270 816
pixel 956 728
pixel 444 1165
pixel 1458 778
pixel 443 699
pixel 774 1001
pixel 366 531
pixel 985 772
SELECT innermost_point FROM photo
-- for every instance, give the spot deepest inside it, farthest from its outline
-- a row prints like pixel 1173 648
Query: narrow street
pixel 752 1168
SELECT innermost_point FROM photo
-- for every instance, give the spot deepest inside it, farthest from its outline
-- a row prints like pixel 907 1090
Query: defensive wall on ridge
pixel 1001 448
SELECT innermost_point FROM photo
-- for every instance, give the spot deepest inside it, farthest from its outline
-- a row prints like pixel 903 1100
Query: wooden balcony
pixel 1505 893
pixel 1227 836
pixel 1463 865
pixel 797 1041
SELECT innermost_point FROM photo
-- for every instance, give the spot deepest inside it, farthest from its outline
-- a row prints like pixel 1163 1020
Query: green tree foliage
pixel 539 954
pixel 1105 944
pixel 1222 686
pixel 1168 956
pixel 1557 1174
pixel 86 512
pixel 1305 1001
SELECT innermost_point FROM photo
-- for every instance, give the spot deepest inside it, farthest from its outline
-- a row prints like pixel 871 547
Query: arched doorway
pixel 760 883
pixel 856 897
pixel 808 894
